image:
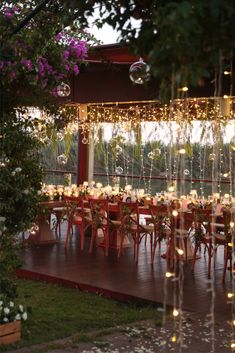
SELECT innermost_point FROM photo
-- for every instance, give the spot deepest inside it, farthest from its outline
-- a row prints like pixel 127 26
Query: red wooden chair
pixel 202 234
pixel 227 241
pixel 100 221
pixel 180 224
pixel 76 216
pixel 128 224
pixel 161 227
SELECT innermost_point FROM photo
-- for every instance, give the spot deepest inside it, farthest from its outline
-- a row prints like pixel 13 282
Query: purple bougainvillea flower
pixel 8 13
pixel 66 54
pixel 59 36
pixel 27 63
pixel 12 74
pixel 76 70
pixel 67 67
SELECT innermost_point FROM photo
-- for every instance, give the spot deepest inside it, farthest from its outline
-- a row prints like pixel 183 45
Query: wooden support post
pixel 91 161
pixel 82 165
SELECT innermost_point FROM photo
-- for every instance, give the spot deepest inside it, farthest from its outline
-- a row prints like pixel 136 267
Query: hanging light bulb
pixel 169 274
pixel 175 213
pixel 63 90
pixel 182 151
pixel 175 313
pixel 139 72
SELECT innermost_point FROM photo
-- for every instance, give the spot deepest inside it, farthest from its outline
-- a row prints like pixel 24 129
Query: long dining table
pixel 44 233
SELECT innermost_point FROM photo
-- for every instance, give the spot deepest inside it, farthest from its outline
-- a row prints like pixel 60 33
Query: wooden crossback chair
pixel 76 216
pixel 160 221
pixel 180 225
pixel 100 221
pixel 228 242
pixel 128 224
pixel 202 227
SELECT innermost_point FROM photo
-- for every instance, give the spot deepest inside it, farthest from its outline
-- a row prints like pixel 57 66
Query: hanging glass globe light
pixel 139 72
pixel 186 172
pixel 63 90
pixel 62 159
pixel 119 170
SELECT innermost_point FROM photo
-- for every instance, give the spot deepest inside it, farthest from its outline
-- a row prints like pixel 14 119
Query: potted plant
pixel 10 321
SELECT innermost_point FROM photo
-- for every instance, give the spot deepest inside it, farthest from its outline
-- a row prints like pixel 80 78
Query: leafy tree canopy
pixel 184 41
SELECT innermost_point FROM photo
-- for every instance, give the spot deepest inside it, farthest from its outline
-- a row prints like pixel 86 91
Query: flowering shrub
pixel 9 311
pixel 35 58
pixel 61 53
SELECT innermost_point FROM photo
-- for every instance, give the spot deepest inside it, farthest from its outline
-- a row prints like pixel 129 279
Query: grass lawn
pixel 56 312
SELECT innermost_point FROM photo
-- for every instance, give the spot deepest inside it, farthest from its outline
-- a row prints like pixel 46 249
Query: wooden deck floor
pixel 122 279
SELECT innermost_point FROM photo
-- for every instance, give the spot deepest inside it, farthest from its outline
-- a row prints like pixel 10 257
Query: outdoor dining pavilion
pixel 101 94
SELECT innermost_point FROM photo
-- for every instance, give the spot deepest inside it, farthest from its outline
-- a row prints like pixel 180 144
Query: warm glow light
pixel 232 345
pixel 175 312
pixel 234 322
pixel 180 251
pixel 227 72
pixel 171 188
pixel 173 338
pixel 225 96
pixel 231 224
pixel 128 187
pixel 169 274
pixel 216 195
pixel 230 244
pixel 230 295
pixel 226 196
pixel 182 151
pixel 175 213
pixel 184 89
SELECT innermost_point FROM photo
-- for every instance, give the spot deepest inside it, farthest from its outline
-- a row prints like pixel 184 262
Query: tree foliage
pixel 34 59
pixel 185 42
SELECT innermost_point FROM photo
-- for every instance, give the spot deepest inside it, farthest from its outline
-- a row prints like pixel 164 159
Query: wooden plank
pixel 10 332
pixel 123 277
